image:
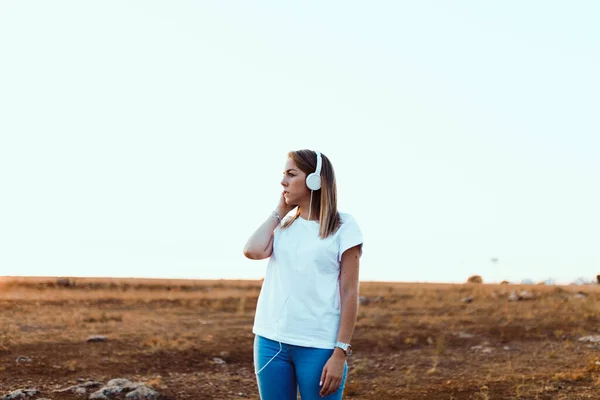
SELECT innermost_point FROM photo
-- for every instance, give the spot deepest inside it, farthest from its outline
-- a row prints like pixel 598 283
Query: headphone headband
pixel 313 180
pixel 319 163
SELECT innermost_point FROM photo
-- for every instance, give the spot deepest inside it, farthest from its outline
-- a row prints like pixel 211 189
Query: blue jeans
pixel 294 368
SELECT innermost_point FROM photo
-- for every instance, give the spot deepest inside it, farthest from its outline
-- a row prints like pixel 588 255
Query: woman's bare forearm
pixel 261 239
pixel 348 313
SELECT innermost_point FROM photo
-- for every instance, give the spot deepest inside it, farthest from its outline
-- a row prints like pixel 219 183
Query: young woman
pixel 308 302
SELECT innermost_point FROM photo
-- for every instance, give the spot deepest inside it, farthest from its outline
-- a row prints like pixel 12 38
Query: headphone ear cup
pixel 313 181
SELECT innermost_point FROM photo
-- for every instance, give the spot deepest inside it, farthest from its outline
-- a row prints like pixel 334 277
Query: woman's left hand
pixel 331 377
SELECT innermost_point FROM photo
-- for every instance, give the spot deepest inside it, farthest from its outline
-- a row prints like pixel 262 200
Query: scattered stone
pixel 23 359
pixel 117 386
pixel 21 394
pixel 119 382
pixel 465 335
pixel 591 339
pixel 98 396
pixel 482 348
pixel 96 338
pixel 218 360
pixel 523 295
pixel 143 392
pixel 580 295
pixel 467 299
pixel 79 389
pixel 106 391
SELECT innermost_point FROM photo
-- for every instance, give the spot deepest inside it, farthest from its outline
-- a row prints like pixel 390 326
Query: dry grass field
pixel 193 339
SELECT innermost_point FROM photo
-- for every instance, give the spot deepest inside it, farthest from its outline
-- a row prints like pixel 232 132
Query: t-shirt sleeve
pixel 350 236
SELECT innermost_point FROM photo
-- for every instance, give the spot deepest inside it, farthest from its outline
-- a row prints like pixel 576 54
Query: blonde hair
pixel 324 200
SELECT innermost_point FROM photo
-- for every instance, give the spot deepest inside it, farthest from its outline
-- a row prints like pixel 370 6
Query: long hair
pixel 324 200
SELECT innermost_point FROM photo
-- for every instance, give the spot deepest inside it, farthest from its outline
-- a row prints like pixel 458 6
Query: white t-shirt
pixel 299 302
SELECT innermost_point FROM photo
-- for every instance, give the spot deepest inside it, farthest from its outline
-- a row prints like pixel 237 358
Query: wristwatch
pixel 346 347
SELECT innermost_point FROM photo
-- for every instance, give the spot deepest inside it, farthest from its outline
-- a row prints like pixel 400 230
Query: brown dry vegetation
pixel 412 341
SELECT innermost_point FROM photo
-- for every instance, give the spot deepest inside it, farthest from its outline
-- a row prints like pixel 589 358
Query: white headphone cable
pixel 310 204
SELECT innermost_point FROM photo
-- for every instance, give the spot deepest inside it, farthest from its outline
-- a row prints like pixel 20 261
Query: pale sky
pixel 148 139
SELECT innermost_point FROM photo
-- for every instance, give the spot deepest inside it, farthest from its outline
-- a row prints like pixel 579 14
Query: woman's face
pixel 294 184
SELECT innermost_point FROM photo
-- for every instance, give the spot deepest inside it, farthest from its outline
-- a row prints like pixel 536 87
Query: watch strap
pixel 343 346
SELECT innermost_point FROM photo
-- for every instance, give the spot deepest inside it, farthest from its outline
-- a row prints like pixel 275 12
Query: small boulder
pixel 96 338
pixel 591 339
pixel 21 394
pixel 106 391
pixel 143 392
pixel 119 382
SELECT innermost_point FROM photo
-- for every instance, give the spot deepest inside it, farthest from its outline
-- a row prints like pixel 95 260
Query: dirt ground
pixel 193 339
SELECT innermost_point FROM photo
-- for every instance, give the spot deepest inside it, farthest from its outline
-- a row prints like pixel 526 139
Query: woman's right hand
pixel 283 207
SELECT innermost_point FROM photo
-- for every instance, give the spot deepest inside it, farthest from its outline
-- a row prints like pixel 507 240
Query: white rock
pixel 98 396
pixel 21 394
pixel 119 382
pixel 142 393
pixel 106 391
pixel 591 338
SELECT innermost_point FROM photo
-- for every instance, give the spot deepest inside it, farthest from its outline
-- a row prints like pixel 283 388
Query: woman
pixel 308 303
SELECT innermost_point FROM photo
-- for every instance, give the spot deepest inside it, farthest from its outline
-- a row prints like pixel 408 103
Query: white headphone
pixel 313 181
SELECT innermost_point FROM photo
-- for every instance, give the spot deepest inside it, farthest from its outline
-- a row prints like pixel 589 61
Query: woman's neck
pixel 304 213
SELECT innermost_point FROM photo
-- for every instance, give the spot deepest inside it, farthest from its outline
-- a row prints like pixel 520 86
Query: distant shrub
pixel 475 279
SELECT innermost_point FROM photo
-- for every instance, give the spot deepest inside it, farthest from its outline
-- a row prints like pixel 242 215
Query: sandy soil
pixel 193 339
